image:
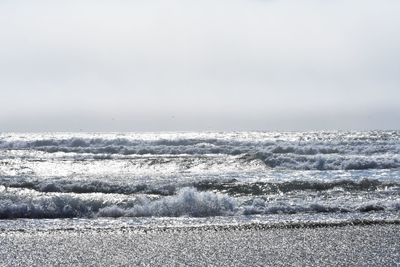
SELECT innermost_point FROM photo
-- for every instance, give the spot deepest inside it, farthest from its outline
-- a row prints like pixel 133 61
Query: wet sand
pixel 371 245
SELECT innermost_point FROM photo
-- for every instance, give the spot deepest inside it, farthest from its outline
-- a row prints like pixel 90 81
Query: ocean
pixel 186 179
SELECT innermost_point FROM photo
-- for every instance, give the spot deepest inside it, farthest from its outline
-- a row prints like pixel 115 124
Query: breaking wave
pixel 88 186
pixel 326 162
pixel 231 187
pixel 187 202
pixel 265 188
pixel 299 151
pixel 77 175
pixel 259 206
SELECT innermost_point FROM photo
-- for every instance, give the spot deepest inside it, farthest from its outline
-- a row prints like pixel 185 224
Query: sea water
pixel 114 180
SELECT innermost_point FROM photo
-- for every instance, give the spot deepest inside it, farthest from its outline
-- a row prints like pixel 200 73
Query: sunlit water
pixel 64 180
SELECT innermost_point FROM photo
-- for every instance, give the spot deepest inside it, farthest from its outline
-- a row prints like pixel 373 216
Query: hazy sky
pixel 146 65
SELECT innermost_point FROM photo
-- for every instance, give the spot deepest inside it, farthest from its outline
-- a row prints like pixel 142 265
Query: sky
pixel 183 65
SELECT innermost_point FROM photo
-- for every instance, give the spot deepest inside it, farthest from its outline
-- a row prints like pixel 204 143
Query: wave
pixel 187 202
pixel 260 206
pixel 228 186
pixel 265 188
pixel 88 186
pixel 299 151
pixel 327 162
pixel 201 146
pixel 48 207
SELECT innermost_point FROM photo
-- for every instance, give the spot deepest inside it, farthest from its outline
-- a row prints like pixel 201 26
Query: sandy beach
pixel 372 245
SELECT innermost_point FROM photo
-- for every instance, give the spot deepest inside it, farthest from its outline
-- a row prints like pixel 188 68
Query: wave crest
pixel 260 206
pixel 228 186
pixel 188 202
pixel 303 151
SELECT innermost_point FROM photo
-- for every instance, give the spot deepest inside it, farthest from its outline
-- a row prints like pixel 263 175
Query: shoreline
pixel 216 226
pixel 349 245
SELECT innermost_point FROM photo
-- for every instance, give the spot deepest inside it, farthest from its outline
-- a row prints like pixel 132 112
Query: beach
pixel 360 245
pixel 200 199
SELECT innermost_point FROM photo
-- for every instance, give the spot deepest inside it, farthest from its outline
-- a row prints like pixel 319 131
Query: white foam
pixel 321 150
pixel 187 202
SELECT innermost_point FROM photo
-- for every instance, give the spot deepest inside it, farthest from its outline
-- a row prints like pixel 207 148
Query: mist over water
pixel 178 65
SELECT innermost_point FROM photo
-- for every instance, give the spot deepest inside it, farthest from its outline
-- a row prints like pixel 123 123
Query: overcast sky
pixel 162 65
